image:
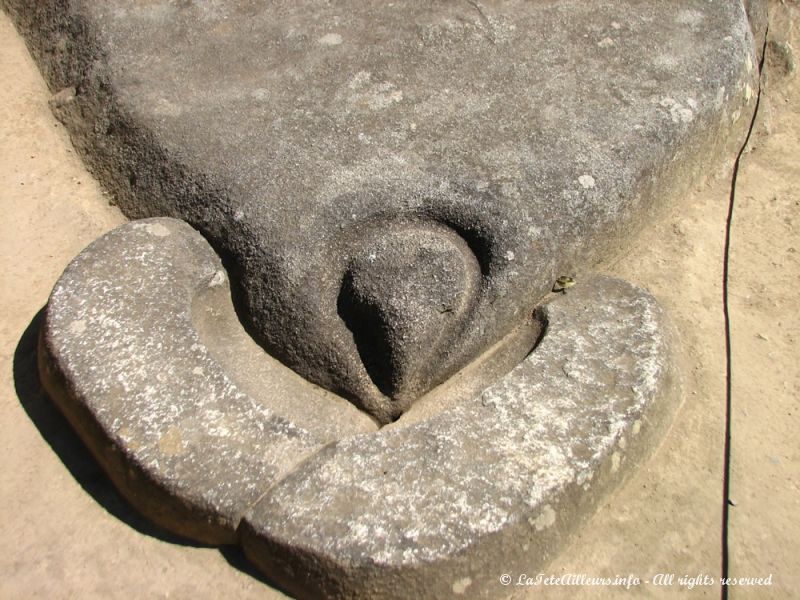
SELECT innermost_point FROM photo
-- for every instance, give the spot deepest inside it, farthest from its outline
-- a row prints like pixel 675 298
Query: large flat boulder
pixel 322 148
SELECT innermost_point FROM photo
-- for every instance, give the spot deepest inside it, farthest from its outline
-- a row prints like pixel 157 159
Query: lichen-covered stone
pixel 325 503
pixel 496 484
pixel 294 133
pixel 122 356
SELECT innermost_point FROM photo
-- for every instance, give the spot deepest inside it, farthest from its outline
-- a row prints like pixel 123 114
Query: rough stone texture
pixel 300 137
pixel 758 15
pixel 122 356
pixel 494 485
pixel 425 508
pixel 404 299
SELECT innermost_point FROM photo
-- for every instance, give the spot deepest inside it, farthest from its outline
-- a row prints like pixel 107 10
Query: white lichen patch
pixel 384 94
pixel 78 327
pixel 460 586
pixel 545 519
pixel 587 182
pixel 719 99
pixel 156 229
pixel 165 108
pixel 359 80
pixel 375 95
pixel 616 459
pixel 677 111
pixel 217 279
pixel 330 39
pixel 690 18
pixel 510 189
pixel 584 477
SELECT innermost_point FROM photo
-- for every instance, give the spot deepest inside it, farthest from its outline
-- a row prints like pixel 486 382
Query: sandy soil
pixel 65 533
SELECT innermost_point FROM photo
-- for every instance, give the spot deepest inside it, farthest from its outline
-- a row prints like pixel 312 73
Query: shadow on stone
pixel 56 431
pixel 370 337
pixel 234 556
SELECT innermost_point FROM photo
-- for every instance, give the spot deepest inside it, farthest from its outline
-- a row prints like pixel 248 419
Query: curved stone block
pixel 122 356
pixel 494 485
pixel 324 502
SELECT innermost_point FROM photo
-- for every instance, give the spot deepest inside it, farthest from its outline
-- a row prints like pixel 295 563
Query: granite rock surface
pixel 322 148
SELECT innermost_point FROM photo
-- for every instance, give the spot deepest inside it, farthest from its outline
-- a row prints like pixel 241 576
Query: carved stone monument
pixel 385 195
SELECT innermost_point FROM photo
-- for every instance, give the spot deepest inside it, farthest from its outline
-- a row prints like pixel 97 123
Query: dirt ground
pixel 65 533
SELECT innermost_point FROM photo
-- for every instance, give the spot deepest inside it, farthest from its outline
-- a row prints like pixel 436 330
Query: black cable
pixel 726 468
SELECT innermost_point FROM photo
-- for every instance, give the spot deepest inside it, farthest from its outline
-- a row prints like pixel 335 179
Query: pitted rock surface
pixel 541 133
